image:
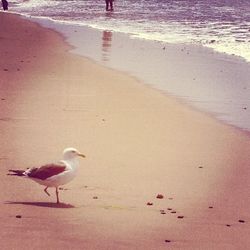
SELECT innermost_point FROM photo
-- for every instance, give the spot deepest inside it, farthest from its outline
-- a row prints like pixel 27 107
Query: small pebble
pixel 95 197
pixel 228 225
pixel 159 196
pixel 200 167
pixel 210 207
pixel 180 217
pixel 5 69
pixel 167 241
pixel 241 221
pixel 163 212
pixel 173 212
pixel 170 208
pixel 150 204
pixel 18 216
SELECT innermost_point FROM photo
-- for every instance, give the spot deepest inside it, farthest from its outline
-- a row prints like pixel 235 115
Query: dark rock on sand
pixel 150 203
pixel 160 196
pixel 167 241
pixel 241 221
pixel 19 216
pixel 180 217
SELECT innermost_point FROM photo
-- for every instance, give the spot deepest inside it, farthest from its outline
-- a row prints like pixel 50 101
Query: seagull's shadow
pixel 41 204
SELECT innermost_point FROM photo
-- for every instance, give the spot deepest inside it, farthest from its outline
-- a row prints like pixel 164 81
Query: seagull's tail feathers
pixel 16 172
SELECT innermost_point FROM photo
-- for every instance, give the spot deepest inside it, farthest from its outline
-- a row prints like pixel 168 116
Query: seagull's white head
pixel 71 153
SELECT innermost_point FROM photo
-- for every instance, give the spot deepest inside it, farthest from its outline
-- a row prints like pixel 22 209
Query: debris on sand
pixel 160 196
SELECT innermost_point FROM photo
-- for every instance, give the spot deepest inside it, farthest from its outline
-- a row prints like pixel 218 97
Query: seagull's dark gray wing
pixel 46 171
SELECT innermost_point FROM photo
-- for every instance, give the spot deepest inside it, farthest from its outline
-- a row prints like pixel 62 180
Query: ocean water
pixel 221 24
pixel 141 29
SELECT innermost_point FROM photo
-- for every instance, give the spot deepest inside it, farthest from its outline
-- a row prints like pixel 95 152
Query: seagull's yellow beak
pixel 82 155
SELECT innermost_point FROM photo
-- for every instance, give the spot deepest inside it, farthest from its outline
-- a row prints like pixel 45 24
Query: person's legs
pixel 107 4
pixel 5 4
pixel 111 5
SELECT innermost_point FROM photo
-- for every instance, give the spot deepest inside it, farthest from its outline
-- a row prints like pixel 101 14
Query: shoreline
pixel 138 142
pixel 229 103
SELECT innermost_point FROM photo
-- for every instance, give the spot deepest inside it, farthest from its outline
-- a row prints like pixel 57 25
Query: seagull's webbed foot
pixel 45 190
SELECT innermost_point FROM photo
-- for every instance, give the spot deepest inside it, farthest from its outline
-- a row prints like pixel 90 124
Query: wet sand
pixel 140 144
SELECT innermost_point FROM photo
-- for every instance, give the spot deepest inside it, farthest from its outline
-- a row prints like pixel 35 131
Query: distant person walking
pixel 109 5
pixel 5 4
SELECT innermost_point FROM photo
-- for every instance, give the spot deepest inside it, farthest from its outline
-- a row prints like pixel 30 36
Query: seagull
pixel 53 174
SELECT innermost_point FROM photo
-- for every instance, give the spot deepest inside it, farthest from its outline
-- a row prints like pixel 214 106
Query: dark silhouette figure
pixel 5 4
pixel 109 5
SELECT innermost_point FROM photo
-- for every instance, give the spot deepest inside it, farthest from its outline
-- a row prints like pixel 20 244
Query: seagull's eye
pixel 73 151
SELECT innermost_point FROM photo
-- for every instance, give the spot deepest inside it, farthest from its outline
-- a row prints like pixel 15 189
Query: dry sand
pixel 138 142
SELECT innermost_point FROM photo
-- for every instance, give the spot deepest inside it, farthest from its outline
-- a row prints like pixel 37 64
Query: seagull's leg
pixel 57 196
pixel 45 190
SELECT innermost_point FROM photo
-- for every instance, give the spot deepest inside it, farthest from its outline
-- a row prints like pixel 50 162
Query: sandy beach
pixel 138 143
